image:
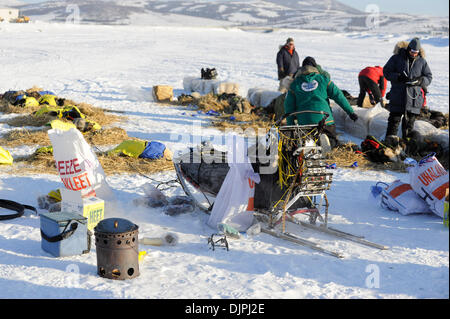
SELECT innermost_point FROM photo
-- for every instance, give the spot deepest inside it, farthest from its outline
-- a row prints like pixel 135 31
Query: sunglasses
pixel 414 51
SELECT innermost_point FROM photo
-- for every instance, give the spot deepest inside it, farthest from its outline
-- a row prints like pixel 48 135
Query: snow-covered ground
pixel 115 68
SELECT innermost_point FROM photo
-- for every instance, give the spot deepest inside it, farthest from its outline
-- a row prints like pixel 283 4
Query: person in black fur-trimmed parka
pixel 410 75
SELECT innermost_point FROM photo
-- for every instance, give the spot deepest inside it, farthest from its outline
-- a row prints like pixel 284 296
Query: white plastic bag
pixel 77 164
pixel 399 196
pixel 234 202
pixel 429 179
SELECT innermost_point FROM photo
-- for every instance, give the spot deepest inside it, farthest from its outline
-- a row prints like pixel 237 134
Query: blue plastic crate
pixel 64 234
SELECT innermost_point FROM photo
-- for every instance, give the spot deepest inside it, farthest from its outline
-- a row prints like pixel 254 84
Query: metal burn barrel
pixel 117 246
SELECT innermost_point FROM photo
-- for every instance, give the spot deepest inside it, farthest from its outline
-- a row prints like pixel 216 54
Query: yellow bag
pixel 71 112
pixel 132 148
pixel 95 125
pixel 5 157
pixel 47 109
pixel 44 150
pixel 30 102
pixel 61 125
pixel 48 99
pixel 55 194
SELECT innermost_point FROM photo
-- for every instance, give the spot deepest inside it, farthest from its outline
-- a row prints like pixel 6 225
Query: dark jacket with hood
pixel 403 96
pixel 287 63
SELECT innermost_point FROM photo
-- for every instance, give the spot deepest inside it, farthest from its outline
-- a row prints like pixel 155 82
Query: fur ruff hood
pixel 403 45
pixel 307 69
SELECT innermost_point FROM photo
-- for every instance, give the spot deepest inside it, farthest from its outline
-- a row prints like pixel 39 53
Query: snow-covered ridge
pixel 330 15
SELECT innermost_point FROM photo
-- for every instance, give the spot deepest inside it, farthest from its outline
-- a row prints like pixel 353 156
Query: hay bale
pixel 162 93
pixel 226 87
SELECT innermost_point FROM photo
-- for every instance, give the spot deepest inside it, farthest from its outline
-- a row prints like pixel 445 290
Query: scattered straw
pixel 345 156
pixel 210 102
pixel 18 137
pixel 7 108
pixel 109 136
pixel 25 137
pixel 29 120
pixel 117 164
pixel 37 163
pixel 42 163
pixel 242 121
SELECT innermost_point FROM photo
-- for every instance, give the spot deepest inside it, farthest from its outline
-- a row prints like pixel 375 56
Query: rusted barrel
pixel 117 246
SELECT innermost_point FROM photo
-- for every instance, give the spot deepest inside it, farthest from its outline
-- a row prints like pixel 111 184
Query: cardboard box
pixel 93 208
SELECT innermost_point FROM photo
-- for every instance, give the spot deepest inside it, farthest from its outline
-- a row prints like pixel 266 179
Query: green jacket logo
pixel 310 86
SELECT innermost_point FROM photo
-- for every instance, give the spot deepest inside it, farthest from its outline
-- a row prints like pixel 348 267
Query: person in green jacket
pixel 310 92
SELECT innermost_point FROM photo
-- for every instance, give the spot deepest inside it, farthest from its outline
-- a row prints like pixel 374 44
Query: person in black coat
pixel 287 60
pixel 410 75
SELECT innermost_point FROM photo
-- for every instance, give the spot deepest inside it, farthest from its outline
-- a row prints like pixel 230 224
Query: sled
pixel 294 193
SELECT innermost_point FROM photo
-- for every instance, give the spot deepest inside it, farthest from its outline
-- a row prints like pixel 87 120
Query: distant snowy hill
pixel 328 15
pixel 10 3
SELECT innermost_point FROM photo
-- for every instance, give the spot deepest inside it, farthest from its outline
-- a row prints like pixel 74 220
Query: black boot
pixel 393 123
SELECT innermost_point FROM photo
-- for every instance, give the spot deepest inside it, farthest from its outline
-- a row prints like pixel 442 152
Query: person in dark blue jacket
pixel 287 60
pixel 410 75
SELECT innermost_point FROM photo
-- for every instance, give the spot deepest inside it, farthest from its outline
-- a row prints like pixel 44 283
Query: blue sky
pixel 430 7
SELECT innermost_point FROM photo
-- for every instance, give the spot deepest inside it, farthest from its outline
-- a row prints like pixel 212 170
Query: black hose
pixel 18 208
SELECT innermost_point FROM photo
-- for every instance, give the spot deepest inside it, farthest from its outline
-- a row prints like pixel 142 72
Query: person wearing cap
pixel 309 60
pixel 310 91
pixel 372 81
pixel 410 75
pixel 287 61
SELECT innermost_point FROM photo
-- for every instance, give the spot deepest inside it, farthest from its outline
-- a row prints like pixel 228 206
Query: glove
pixel 402 78
pixel 418 81
pixel 354 117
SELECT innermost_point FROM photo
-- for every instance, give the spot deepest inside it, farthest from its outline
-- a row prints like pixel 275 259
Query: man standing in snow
pixel 372 81
pixel 310 91
pixel 410 75
pixel 287 61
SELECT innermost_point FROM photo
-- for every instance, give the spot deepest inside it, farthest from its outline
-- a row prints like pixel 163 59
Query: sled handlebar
pixel 325 114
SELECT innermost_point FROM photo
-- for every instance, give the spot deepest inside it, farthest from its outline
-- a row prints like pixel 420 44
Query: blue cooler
pixel 64 234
